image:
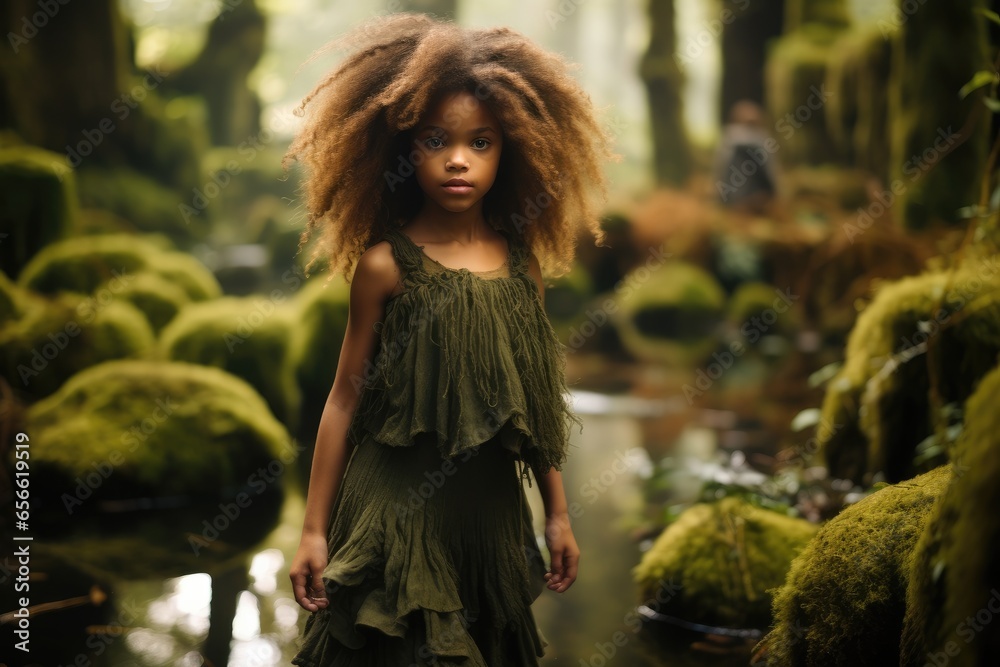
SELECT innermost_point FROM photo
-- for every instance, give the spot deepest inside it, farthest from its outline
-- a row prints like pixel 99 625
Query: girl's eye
pixel 481 143
pixel 433 142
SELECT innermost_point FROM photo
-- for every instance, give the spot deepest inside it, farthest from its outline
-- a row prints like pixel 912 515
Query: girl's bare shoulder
pixel 376 274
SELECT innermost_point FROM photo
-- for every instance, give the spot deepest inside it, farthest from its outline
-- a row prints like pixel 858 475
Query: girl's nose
pixel 457 160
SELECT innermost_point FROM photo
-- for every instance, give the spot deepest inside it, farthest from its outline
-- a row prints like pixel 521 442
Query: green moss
pixel 882 390
pixel 927 68
pixel 141 200
pixel 956 570
pixel 85 264
pixel 795 74
pixel 567 297
pixel 165 429
pixel 38 204
pixel 844 599
pixel 158 299
pixel 751 299
pixel 247 337
pixel 725 557
pixel 58 337
pixel 858 76
pixel 11 300
pixel 320 323
pixel 669 314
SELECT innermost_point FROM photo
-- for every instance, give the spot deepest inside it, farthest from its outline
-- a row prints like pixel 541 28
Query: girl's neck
pixel 463 226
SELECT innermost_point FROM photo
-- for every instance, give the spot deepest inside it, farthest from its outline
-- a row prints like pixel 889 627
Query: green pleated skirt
pixel 432 562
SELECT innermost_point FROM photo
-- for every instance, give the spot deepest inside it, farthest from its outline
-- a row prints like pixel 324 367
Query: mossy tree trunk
pixel 440 8
pixel 664 82
pixel 940 164
pixel 746 31
pixel 236 41
pixel 60 74
pixel 829 12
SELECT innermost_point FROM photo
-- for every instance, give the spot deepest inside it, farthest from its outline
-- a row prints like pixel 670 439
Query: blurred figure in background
pixel 746 172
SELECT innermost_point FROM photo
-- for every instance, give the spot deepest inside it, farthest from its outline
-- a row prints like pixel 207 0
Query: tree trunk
pixel 60 74
pixel 938 168
pixel 747 28
pixel 664 81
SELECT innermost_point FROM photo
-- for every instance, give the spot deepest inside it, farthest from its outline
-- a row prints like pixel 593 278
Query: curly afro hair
pixel 354 142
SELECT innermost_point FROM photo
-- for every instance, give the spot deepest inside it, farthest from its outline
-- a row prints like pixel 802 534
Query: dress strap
pixel 518 252
pixel 407 254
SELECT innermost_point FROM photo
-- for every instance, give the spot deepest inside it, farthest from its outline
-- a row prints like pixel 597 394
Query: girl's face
pixel 459 139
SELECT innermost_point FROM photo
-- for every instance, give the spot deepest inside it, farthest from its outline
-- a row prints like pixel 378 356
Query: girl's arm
pixel 563 550
pixel 374 278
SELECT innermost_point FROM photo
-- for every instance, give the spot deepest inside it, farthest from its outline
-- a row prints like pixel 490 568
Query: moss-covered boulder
pixel 86 264
pixel 844 599
pixel 149 469
pixel 670 313
pixel 953 599
pixel 246 336
pixel 57 337
pixel 724 557
pixel 761 308
pixel 158 298
pixel 566 300
pixel 877 410
pixel 11 300
pixel 38 205
pixel 141 200
pixel 320 323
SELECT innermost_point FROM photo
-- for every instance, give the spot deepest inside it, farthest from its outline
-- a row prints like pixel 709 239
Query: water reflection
pixel 594 623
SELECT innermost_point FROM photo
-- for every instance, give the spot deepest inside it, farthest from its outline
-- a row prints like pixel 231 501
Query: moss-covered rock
pixel 882 390
pixel 566 299
pixel 844 599
pixel 11 300
pixel 86 264
pixel 246 336
pixel 158 299
pixel 725 557
pixel 165 429
pixel 58 337
pixel 141 200
pixel 149 469
pixel 669 314
pixel 956 569
pixel 38 205
pixel 764 302
pixel 318 335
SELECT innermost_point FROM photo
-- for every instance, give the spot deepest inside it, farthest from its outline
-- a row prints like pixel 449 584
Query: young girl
pixel 448 166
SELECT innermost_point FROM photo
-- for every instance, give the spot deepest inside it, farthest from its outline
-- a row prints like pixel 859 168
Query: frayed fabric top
pixel 468 356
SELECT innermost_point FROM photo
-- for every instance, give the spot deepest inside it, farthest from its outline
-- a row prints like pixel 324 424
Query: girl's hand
pixel 306 572
pixel 564 552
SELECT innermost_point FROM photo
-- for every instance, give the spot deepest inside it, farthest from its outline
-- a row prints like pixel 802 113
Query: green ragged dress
pixel 433 558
